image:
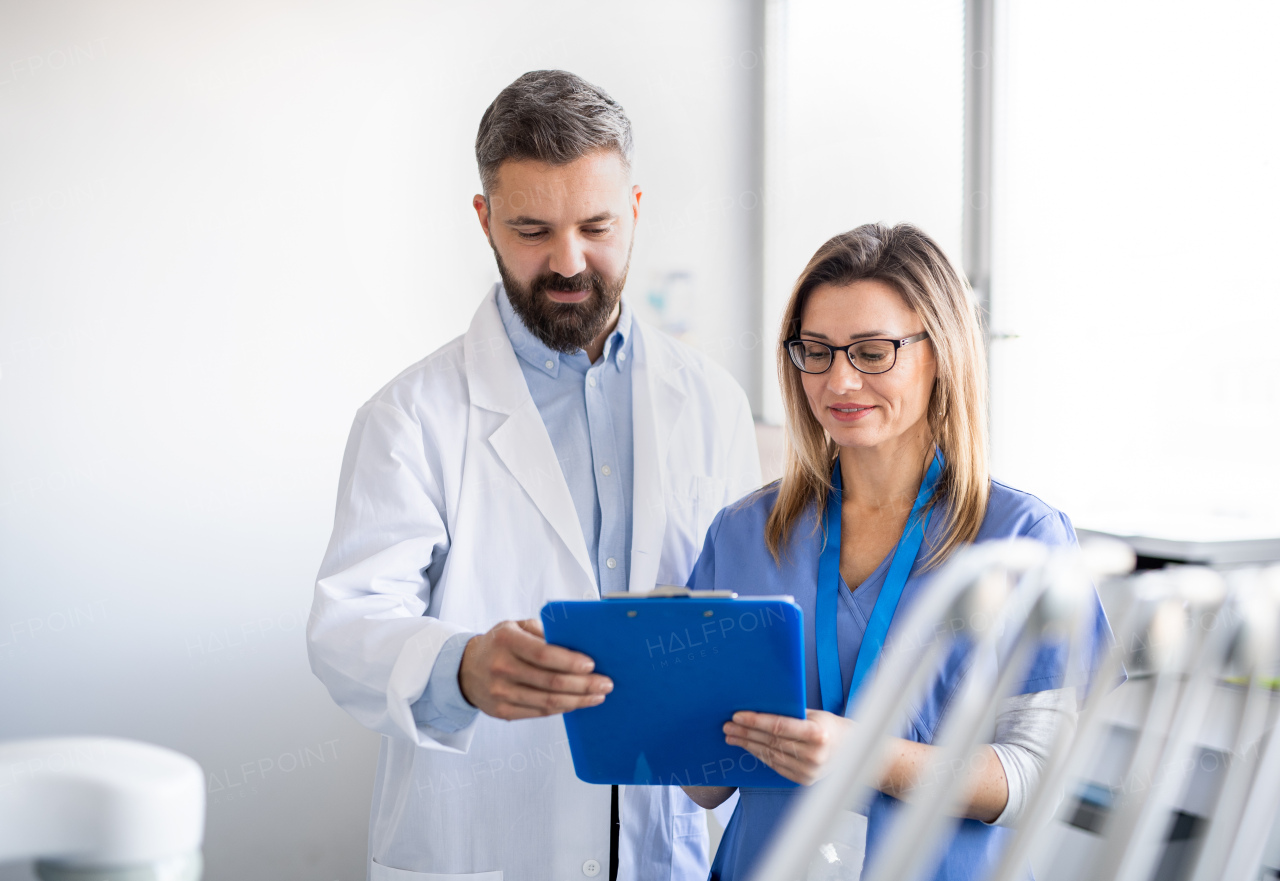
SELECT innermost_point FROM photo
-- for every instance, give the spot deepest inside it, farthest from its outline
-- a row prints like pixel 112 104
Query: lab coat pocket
pixel 694 498
pixel 692 502
pixel 378 872
pixel 689 845
pixel 688 825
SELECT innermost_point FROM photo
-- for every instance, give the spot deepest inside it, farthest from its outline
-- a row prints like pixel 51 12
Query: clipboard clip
pixel 669 591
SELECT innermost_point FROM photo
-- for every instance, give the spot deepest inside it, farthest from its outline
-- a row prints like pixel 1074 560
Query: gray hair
pixel 552 116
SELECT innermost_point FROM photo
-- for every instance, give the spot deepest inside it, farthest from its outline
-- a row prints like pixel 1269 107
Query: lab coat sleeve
pixel 743 472
pixel 368 638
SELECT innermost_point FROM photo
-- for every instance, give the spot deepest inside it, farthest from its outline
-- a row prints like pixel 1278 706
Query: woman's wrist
pixel 910 764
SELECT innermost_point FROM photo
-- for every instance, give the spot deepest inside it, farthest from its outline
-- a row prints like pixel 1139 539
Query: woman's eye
pixel 814 354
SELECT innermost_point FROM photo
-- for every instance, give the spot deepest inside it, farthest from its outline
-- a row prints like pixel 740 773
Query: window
pixel 1137 179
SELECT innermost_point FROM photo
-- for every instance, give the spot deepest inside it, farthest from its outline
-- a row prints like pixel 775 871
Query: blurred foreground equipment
pixel 101 809
pixel 1173 776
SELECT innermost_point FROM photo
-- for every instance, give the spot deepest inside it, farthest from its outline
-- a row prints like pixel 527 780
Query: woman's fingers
pixel 795 769
pixel 805 750
pixel 768 728
pixel 792 749
pixel 762 735
pixel 780 726
pixel 798 749
pixel 764 738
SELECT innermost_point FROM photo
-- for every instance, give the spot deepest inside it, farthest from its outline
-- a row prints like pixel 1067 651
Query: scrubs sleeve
pixel 1054 529
pixel 1051 668
pixel 703 576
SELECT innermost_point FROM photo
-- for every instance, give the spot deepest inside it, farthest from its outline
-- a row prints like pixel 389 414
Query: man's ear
pixel 481 204
pixel 636 193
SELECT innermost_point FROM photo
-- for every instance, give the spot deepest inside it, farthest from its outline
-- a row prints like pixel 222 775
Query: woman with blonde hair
pixel 883 371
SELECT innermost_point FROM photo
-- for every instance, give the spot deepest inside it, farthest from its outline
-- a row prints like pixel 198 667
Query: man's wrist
pixel 462 663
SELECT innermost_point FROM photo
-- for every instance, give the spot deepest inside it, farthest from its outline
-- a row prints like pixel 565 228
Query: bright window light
pixel 1137 163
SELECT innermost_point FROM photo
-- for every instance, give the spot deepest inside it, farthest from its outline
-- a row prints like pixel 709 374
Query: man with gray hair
pixel 559 449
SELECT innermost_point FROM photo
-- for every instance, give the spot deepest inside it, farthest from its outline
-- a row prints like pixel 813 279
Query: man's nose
pixel 567 258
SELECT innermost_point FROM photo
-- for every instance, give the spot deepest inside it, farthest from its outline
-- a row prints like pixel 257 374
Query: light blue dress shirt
pixel 587 411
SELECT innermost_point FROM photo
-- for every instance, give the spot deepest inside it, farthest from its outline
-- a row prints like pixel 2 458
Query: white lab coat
pixel 453 514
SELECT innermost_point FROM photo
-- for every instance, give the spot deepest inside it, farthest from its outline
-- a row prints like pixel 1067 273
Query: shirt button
pixel 622 356
pixel 550 364
pixel 606 470
pixel 591 868
pixel 611 563
pixel 591 381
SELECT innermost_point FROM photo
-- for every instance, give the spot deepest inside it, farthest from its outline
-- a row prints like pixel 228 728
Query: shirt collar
pixel 617 348
pixel 537 354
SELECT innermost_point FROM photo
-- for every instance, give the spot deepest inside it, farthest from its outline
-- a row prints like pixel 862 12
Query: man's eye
pixel 596 230
pixel 530 235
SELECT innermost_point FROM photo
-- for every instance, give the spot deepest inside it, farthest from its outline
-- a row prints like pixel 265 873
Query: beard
pixel 564 327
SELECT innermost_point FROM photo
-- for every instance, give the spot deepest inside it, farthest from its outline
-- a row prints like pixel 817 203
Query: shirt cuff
pixel 442 705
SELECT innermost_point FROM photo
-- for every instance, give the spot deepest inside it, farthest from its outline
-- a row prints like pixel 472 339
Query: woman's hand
pixel 798 749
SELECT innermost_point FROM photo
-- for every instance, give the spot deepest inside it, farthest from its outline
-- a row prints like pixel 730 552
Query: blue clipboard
pixel 682 663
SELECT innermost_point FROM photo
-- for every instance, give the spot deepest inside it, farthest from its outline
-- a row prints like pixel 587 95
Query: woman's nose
pixel 842 376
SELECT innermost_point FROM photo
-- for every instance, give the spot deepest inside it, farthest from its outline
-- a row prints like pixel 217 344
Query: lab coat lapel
pixel 496 383
pixel 657 401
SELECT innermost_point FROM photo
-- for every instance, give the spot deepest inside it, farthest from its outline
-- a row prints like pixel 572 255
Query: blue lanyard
pixel 904 557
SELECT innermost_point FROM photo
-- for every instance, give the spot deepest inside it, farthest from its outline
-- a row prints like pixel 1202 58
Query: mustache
pixel 553 281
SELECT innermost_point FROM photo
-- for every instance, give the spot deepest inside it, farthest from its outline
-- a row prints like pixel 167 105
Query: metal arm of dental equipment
pixel 1252 656
pixel 969 583
pixel 1047 603
pixel 101 809
pixel 1186 631
pixel 1189 631
pixel 1259 808
pixel 1193 631
pixel 1069 752
pixel 1189 661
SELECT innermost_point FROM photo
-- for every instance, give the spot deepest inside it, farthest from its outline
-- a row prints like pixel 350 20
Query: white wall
pixel 222 228
pixel 868 113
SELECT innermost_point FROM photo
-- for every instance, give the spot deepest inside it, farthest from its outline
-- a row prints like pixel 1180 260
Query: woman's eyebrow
pixel 857 336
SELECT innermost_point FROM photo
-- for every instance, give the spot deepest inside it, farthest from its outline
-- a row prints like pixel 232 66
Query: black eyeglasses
pixel 866 356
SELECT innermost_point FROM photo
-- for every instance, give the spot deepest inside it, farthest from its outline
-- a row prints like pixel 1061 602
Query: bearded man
pixel 559 449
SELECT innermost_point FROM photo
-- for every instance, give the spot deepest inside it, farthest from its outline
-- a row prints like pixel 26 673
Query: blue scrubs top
pixel 736 558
